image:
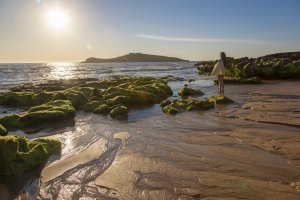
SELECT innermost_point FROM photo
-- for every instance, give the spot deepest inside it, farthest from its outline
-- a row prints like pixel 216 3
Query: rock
pixel 76 97
pixel 125 100
pixel 16 98
pixel 97 93
pixel 119 112
pixel 182 105
pixel 170 109
pixel 275 66
pixel 219 100
pixel 53 111
pixel 59 96
pixel 165 103
pixel 93 105
pixel 185 92
pixel 11 121
pixel 3 130
pixel 103 109
pixel 19 155
pixel 41 98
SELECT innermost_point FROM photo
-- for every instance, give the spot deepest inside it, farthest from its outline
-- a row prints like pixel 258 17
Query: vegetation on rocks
pixel 119 112
pixel 57 100
pixel 19 155
pixel 52 111
pixel 183 105
pixel 3 130
pixel 186 91
pixel 274 66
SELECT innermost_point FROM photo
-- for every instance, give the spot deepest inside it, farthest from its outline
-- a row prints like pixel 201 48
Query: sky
pixel 189 29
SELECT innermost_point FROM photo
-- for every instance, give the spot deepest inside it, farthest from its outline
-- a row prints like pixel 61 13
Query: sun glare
pixel 58 19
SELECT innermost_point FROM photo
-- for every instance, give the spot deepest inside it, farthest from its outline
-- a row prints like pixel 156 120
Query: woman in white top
pixel 219 71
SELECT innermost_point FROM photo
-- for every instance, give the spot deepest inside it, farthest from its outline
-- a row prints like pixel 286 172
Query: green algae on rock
pixel 11 121
pixel 93 105
pixel 103 109
pixel 182 105
pixel 46 113
pixel 19 155
pixel 3 130
pixel 186 91
pixel 86 94
pixel 165 103
pixel 50 112
pixel 274 66
pixel 119 112
pixel 219 100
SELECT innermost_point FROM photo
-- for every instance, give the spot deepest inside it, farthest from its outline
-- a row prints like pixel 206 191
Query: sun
pixel 58 19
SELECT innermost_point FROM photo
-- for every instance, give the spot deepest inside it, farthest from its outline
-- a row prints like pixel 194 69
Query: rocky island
pixel 134 57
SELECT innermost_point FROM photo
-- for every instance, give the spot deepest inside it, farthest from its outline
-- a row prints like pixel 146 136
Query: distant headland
pixel 135 57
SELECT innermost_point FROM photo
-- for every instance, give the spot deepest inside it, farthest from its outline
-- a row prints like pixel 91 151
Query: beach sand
pixel 247 150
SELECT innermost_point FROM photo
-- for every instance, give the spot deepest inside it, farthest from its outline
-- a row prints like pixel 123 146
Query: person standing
pixel 219 71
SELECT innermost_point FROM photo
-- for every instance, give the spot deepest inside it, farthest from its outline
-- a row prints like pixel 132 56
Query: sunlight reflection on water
pixel 61 70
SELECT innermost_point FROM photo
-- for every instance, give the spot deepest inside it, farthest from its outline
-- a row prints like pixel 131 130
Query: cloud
pixel 201 40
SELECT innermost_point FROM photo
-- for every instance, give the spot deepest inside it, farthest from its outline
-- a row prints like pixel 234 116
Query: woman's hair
pixel 223 58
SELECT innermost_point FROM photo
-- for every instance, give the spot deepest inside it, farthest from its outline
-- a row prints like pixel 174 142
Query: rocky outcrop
pixel 274 66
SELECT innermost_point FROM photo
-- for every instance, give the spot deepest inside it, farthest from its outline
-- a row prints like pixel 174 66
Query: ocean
pixel 24 73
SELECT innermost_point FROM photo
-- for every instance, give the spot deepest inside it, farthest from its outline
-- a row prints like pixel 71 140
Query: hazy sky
pixel 189 29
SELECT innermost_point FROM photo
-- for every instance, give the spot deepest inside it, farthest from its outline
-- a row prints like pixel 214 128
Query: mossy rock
pixel 220 100
pixel 183 105
pixel 103 109
pixel 186 91
pixel 3 130
pixel 199 105
pixel 93 105
pixel 53 111
pixel 11 121
pixel 17 98
pixel 42 97
pixel 290 70
pixel 59 96
pixel 119 112
pixel 94 98
pixel 165 103
pixel 18 155
pixel 125 100
pixel 170 109
pixel 97 93
pixel 142 98
pixel 76 97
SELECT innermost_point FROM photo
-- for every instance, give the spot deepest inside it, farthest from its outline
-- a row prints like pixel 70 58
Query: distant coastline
pixel 135 57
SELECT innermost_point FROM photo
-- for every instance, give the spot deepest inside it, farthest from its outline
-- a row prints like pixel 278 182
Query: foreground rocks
pixel 274 66
pixel 19 155
pixel 58 100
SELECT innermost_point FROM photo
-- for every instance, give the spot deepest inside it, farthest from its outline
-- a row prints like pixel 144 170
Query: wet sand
pixel 246 150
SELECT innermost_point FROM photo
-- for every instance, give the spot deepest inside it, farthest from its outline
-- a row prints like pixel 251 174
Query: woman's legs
pixel 221 83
